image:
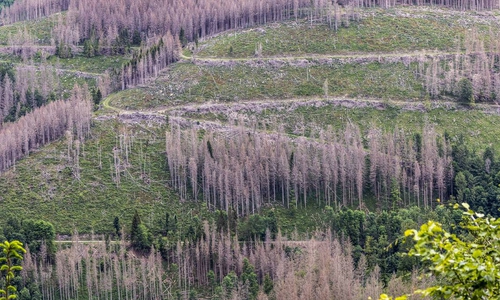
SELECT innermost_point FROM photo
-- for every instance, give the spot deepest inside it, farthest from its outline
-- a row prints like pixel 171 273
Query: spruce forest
pixel 253 149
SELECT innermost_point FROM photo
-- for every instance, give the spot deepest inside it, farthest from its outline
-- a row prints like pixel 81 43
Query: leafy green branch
pixel 11 252
pixel 467 268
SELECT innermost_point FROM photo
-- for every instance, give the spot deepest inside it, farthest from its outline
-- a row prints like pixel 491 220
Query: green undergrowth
pixel 40 30
pixel 97 64
pixel 10 58
pixel 45 185
pixel 392 30
pixel 479 129
pixel 292 220
pixel 68 81
pixel 137 98
pixel 186 83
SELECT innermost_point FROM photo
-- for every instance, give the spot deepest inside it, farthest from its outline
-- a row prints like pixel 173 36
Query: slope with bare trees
pixel 235 205
pixel 44 125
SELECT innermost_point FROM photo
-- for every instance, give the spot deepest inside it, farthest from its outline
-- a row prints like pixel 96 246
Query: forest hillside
pixel 242 149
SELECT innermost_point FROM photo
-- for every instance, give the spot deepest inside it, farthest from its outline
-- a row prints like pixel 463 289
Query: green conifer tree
pixel 250 278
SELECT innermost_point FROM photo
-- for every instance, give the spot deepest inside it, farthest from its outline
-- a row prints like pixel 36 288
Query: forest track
pixel 367 55
pixel 185 114
pixel 181 110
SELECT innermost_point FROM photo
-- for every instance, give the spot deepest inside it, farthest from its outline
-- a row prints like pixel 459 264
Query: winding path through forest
pixel 179 112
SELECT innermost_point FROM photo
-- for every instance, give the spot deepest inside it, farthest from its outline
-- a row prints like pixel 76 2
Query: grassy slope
pixel 40 30
pixel 186 82
pixel 479 129
pixel 392 30
pixel 97 64
pixel 44 185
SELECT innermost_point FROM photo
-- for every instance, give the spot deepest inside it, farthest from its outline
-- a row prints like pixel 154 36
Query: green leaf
pixel 410 232
pixel 477 253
